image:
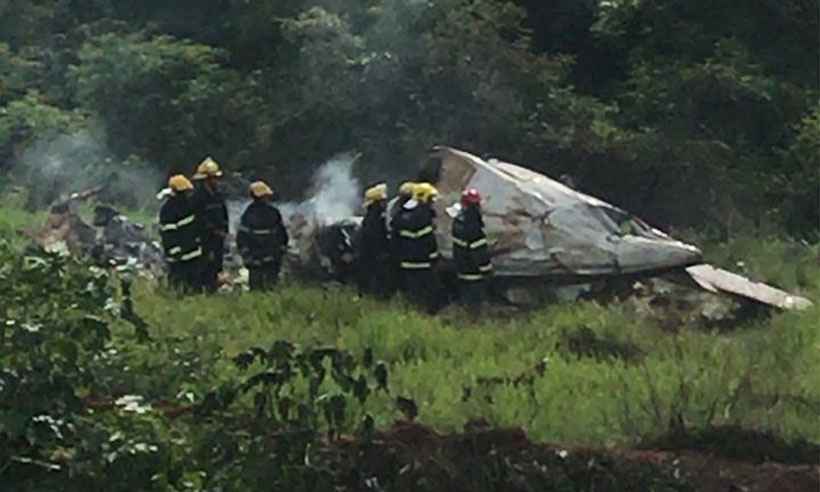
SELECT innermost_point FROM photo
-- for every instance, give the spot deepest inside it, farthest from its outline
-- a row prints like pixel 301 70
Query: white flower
pixel 133 403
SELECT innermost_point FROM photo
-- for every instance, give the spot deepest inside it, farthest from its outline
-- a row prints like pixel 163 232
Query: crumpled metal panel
pixel 717 280
pixel 115 239
pixel 538 226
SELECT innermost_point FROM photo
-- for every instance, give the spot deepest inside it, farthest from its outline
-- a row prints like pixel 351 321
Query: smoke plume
pixel 334 194
pixel 56 167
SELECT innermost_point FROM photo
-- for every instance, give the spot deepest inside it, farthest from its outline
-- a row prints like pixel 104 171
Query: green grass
pixel 765 374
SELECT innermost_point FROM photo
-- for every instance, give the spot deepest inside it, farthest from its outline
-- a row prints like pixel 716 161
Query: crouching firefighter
pixel 180 235
pixel 416 247
pixel 470 249
pixel 374 260
pixel 212 212
pixel 262 238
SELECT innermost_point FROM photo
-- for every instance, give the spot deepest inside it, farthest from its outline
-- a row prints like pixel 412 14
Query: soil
pixel 710 473
pixel 452 460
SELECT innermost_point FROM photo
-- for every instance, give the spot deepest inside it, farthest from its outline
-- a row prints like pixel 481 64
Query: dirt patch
pixel 410 456
pixel 737 443
pixel 710 473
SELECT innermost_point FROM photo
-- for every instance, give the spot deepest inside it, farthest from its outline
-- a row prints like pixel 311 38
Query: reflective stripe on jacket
pixel 374 243
pixel 414 239
pixel 179 229
pixel 470 248
pixel 261 235
pixel 211 210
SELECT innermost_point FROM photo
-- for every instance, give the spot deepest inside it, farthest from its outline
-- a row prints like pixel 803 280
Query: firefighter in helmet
pixel 417 248
pixel 470 249
pixel 180 234
pixel 262 238
pixel 211 210
pixel 405 195
pixel 374 265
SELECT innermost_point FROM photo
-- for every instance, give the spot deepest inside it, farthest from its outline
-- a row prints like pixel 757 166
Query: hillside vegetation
pixel 687 113
pixel 112 379
pixel 701 117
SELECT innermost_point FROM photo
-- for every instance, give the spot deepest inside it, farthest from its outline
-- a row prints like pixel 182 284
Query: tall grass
pixel 764 376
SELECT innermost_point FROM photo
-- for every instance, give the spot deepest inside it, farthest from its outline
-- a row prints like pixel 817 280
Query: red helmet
pixel 470 196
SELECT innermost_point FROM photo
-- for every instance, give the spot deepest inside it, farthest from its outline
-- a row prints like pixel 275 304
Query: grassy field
pixel 538 369
pixel 764 374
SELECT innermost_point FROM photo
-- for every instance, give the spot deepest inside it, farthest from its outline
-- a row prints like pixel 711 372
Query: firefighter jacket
pixel 212 212
pixel 374 244
pixel 394 209
pixel 261 235
pixel 180 230
pixel 470 250
pixel 414 238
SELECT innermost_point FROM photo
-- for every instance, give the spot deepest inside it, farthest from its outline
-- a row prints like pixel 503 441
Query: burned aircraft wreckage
pixel 541 233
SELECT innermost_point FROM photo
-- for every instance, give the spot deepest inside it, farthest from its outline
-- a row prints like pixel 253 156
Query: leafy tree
pixel 24 120
pixel 626 95
pixel 796 185
pixel 164 99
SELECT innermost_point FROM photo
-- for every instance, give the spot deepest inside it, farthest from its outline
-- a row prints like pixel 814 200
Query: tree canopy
pixel 690 113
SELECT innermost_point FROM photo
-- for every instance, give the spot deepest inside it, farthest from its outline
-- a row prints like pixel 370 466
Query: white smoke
pixel 235 209
pixel 63 164
pixel 334 195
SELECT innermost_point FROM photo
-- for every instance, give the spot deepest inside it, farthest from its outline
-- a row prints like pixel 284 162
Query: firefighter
pixel 374 263
pixel 262 238
pixel 180 234
pixel 405 194
pixel 211 210
pixel 416 247
pixel 470 249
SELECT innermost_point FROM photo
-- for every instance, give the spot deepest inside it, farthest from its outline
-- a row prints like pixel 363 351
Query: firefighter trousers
pixel 263 277
pixel 185 276
pixel 472 292
pixel 422 288
pixel 214 252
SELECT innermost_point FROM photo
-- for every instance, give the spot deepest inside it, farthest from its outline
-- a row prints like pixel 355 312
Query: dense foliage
pixel 691 113
pixel 89 403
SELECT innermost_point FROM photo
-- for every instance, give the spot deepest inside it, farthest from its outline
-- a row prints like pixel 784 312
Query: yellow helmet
pixel 406 188
pixel 424 192
pixel 208 168
pixel 260 189
pixel 180 183
pixel 375 194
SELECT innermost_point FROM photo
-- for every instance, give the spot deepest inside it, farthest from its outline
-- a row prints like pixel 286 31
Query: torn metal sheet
pixel 113 239
pixel 718 280
pixel 64 231
pixel 540 227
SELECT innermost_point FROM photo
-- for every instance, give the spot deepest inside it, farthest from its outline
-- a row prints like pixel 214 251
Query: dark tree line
pixel 688 112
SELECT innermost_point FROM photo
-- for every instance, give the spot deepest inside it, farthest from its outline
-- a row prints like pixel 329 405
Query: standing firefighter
pixel 211 209
pixel 405 195
pixel 180 234
pixel 416 246
pixel 262 238
pixel 374 245
pixel 470 250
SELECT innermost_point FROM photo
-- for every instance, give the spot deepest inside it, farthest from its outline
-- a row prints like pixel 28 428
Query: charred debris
pixel 544 237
